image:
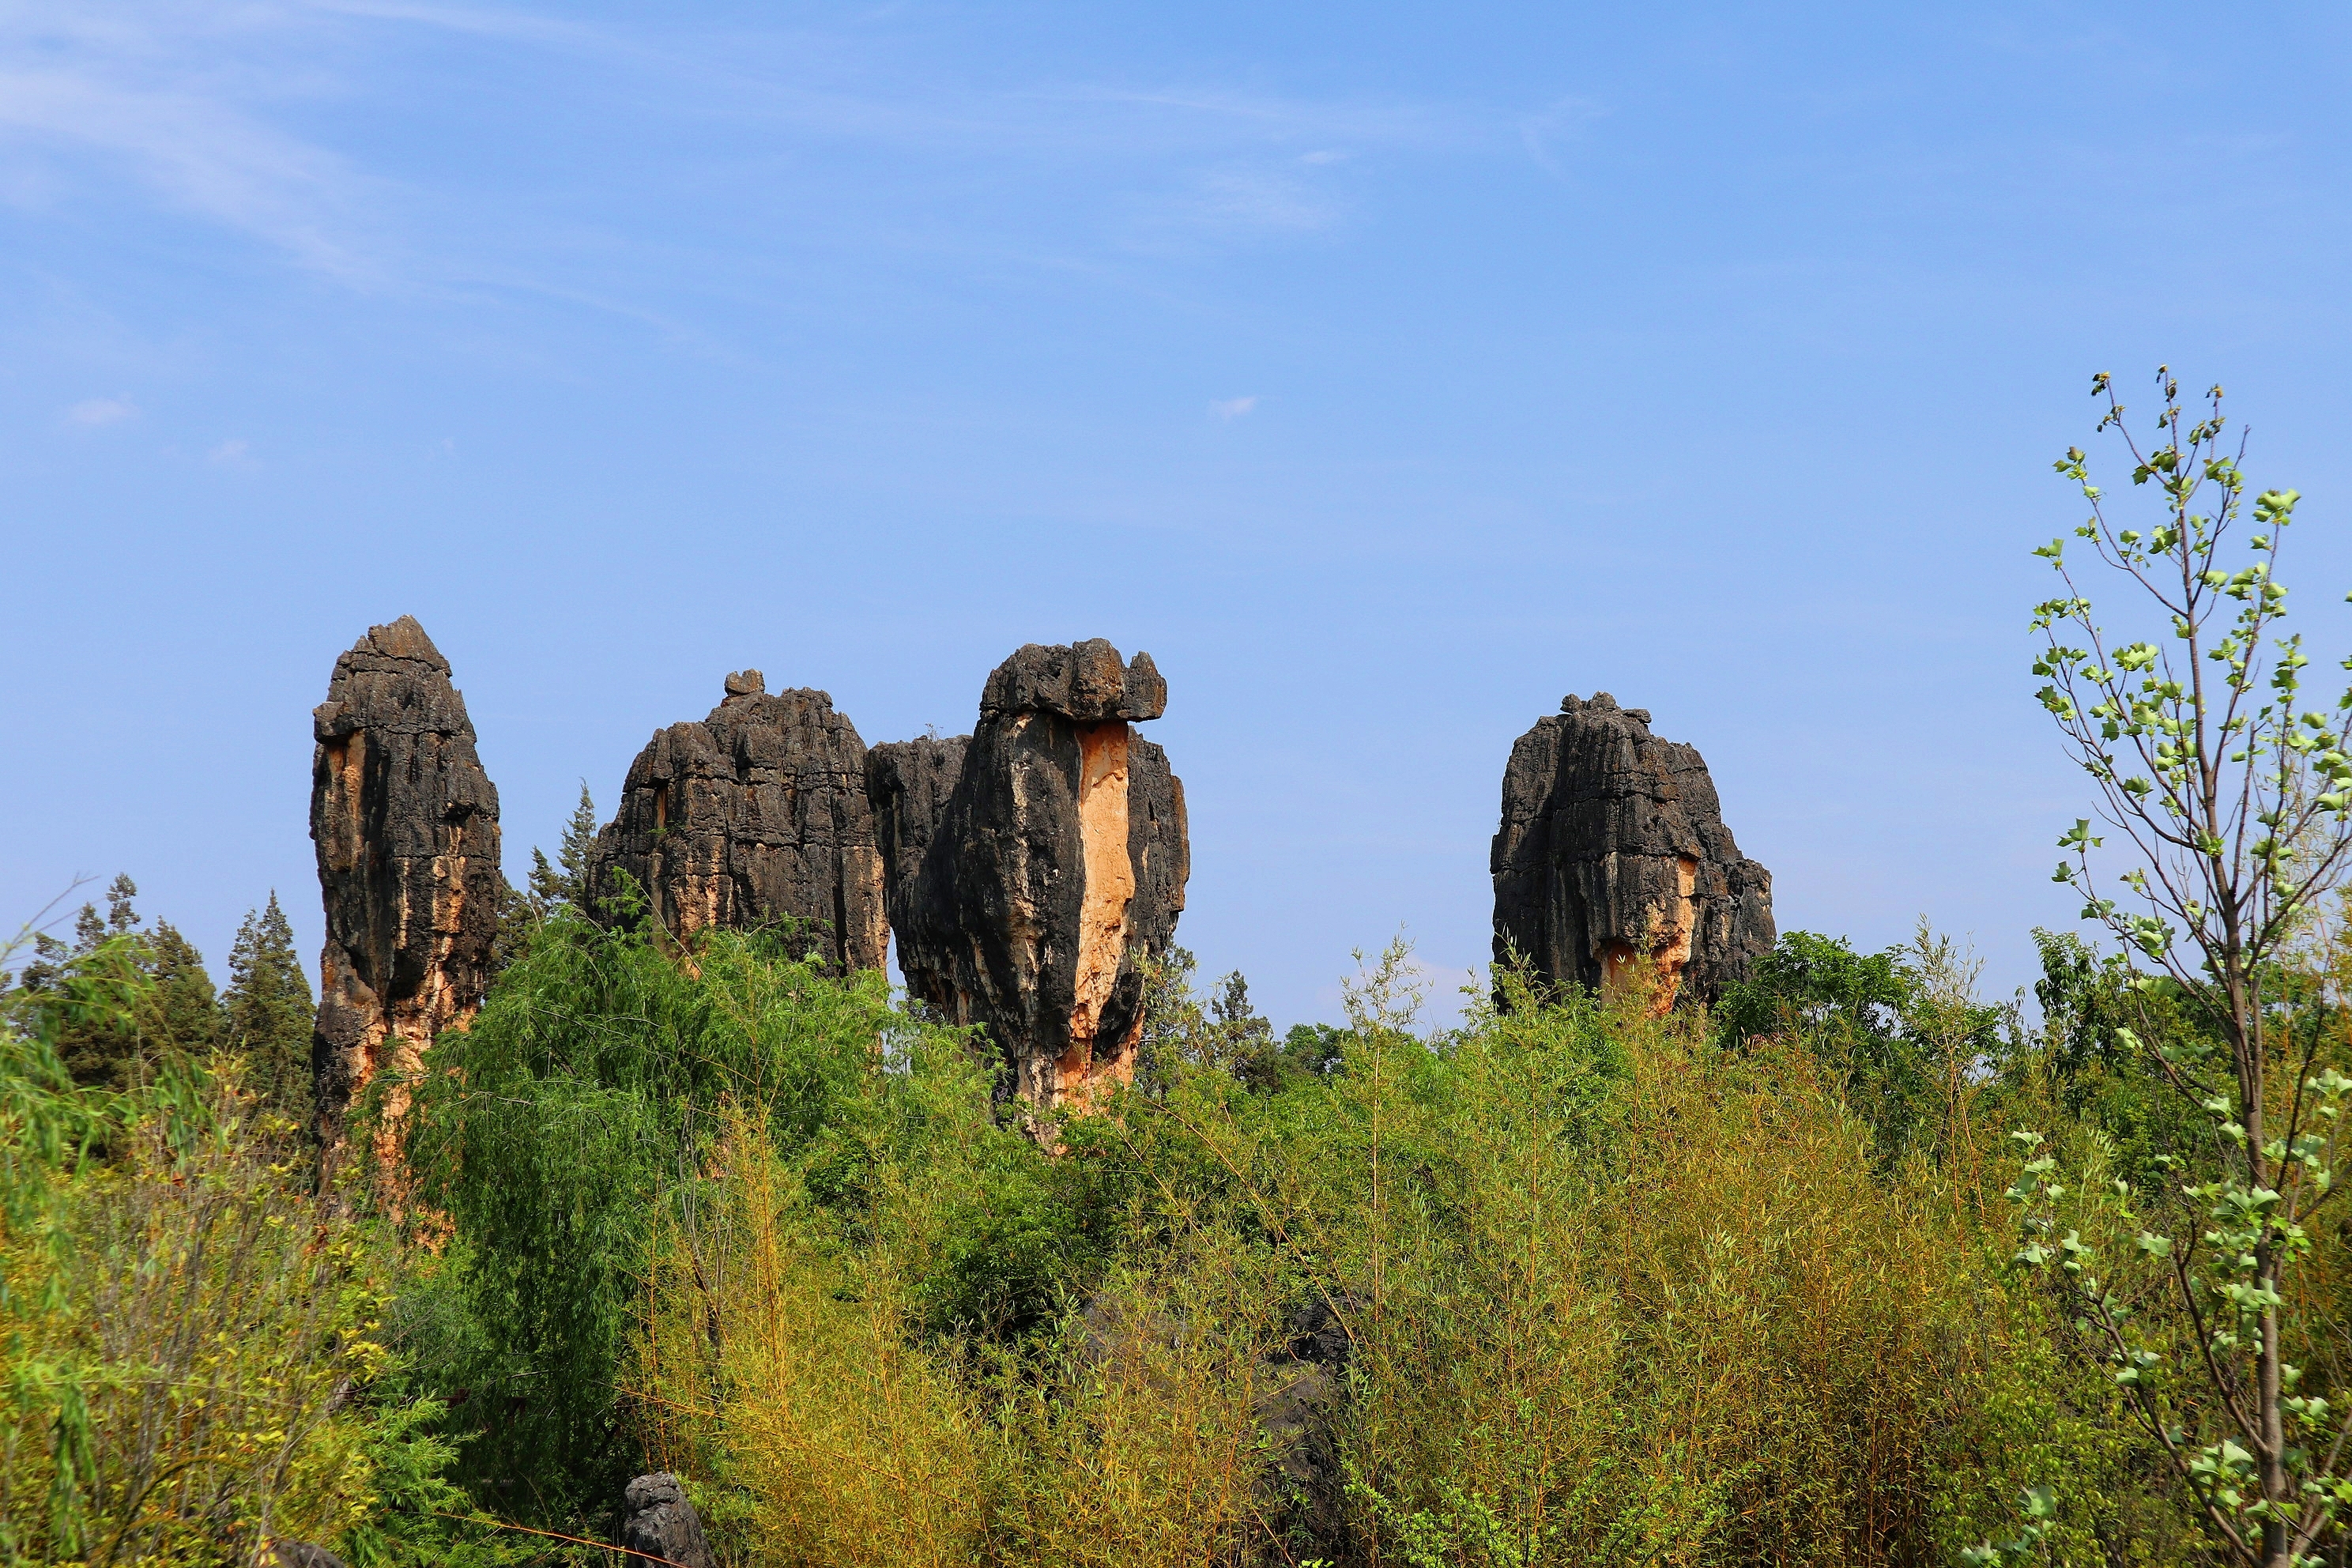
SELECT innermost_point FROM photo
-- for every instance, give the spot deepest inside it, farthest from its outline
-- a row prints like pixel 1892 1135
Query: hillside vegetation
pixel 1563 1283
pixel 1854 1267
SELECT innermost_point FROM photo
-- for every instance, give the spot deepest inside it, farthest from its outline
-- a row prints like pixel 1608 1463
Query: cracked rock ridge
pixel 1614 869
pixel 754 816
pixel 406 822
pixel 659 1525
pixel 1029 866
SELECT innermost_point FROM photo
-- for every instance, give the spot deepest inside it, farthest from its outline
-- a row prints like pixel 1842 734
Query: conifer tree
pixel 550 886
pixel 176 1016
pixel 566 881
pixel 268 1012
pixel 183 1018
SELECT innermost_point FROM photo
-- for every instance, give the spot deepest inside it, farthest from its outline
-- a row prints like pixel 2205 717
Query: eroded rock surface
pixel 406 822
pixel 659 1526
pixel 754 815
pixel 1031 864
pixel 1614 867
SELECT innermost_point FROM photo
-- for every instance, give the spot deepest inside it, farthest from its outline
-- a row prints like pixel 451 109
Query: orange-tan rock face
pixel 755 815
pixel 1031 864
pixel 1614 869
pixel 406 824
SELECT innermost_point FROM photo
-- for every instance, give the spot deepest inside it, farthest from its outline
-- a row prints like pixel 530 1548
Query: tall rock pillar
pixel 1030 865
pixel 755 815
pixel 1614 869
pixel 407 827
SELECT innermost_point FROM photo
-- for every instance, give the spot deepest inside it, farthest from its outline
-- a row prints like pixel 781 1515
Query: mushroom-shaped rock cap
pixel 1086 683
pixel 746 683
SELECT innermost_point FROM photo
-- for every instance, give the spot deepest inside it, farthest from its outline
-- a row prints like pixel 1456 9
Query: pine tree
pixel 183 1018
pixel 100 1053
pixel 267 1014
pixel 176 1017
pixel 549 887
pixel 566 881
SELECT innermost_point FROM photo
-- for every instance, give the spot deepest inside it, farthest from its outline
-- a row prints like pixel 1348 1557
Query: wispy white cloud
pixel 231 454
pixel 1234 202
pixel 175 98
pixel 1232 408
pixel 204 108
pixel 102 411
pixel 1550 134
pixel 1262 198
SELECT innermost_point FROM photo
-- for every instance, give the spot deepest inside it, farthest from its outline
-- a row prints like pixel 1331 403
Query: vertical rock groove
pixel 755 815
pixel 405 825
pixel 1031 866
pixel 1612 867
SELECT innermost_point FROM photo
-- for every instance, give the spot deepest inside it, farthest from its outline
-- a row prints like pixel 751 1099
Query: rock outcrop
pixel 1301 1409
pixel 755 815
pixel 302 1555
pixel 1613 867
pixel 406 826
pixel 659 1527
pixel 1031 864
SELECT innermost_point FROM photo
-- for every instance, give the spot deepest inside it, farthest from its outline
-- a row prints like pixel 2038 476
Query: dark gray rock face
pixel 1613 869
pixel 1029 865
pixel 1086 684
pixel 907 783
pixel 407 827
pixel 659 1526
pixel 302 1555
pixel 1303 1397
pixel 755 815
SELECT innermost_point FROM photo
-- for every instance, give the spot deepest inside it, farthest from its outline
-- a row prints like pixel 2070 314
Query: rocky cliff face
pixel 755 815
pixel 407 827
pixel 1613 867
pixel 1029 865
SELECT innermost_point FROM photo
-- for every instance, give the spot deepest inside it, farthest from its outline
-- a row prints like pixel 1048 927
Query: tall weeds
pixel 182 1324
pixel 1588 1288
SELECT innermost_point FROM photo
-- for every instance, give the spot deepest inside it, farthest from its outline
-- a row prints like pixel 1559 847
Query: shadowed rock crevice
pixel 406 824
pixel 755 815
pixel 1031 864
pixel 1614 869
pixel 660 1527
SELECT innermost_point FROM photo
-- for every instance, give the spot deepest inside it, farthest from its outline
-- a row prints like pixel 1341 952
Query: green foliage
pixel 549 886
pixel 2093 1012
pixel 1315 1050
pixel 1900 1032
pixel 1608 1290
pixel 266 1012
pixel 2233 800
pixel 577 1119
pixel 175 1016
pixel 565 881
pixel 1608 1294
pixel 1224 1033
pixel 187 1331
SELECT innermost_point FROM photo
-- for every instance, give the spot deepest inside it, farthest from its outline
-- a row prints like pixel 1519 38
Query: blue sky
pixel 1386 371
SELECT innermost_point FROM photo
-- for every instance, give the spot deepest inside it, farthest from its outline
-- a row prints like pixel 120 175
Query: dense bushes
pixel 1561 1284
pixel 189 1361
pixel 1606 1287
pixel 577 1128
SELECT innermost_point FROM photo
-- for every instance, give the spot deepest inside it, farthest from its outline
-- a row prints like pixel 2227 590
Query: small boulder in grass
pixel 302 1555
pixel 659 1526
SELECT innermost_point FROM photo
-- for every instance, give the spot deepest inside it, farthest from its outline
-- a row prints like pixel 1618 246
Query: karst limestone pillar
pixel 754 816
pixel 1030 865
pixel 406 822
pixel 1614 869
